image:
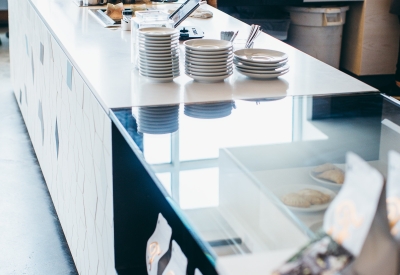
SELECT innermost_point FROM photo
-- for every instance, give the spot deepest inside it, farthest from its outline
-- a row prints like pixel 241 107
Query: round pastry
pixel 314 196
pixel 294 199
pixel 336 176
pixel 324 167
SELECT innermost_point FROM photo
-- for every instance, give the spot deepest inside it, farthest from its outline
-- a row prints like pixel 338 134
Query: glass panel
pixel 231 163
pixel 165 179
pixel 198 188
pixel 157 148
pixel 236 128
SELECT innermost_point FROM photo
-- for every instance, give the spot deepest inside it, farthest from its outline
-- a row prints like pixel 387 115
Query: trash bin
pixel 317 31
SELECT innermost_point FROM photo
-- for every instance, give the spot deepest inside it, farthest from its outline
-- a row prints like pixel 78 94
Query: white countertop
pixel 102 57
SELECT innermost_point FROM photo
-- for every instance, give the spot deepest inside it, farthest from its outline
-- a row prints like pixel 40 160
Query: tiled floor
pixel 31 238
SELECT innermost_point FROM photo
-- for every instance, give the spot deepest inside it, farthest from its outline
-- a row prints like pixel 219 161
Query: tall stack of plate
pixel 158 50
pixel 158 120
pixel 208 60
pixel 261 63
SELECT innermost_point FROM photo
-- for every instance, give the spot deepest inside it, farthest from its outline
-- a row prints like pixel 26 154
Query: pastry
pixel 336 176
pixel 314 196
pixel 324 167
pixel 115 11
pixel 294 199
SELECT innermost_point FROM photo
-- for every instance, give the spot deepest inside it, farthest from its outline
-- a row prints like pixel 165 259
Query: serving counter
pixel 215 169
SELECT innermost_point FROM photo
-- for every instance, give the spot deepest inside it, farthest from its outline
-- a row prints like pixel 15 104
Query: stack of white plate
pixel 261 63
pixel 208 60
pixel 158 50
pixel 209 110
pixel 158 120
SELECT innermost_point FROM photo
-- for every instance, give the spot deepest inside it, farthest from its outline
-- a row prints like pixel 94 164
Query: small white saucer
pixel 264 71
pixel 260 55
pixel 209 79
pixel 208 44
pixel 227 71
pixel 262 76
pixel 188 58
pixel 206 56
pixel 158 32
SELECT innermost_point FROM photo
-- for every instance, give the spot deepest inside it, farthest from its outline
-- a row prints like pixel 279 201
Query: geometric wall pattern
pixel 71 135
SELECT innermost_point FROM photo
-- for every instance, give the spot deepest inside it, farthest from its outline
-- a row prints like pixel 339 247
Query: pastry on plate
pixel 336 176
pixel 314 196
pixel 295 200
pixel 324 167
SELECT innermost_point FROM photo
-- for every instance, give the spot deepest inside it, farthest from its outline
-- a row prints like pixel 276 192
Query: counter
pixel 80 99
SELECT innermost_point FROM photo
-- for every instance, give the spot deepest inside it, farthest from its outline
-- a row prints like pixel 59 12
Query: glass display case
pixel 224 167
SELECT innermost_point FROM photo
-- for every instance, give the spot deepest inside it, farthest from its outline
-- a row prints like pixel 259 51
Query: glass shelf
pixel 225 165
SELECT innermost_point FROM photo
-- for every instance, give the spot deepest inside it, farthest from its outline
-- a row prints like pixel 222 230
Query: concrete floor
pixel 31 237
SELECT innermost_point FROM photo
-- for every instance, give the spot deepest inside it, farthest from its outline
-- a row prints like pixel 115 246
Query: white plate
pixel 293 188
pixel 155 55
pixel 170 65
pixel 260 55
pixel 160 67
pixel 229 71
pixel 197 52
pixel 262 76
pixel 160 79
pixel 189 59
pixel 173 51
pixel 242 66
pixel 198 63
pixel 158 60
pixel 159 75
pixel 208 45
pixel 158 31
pixel 225 55
pixel 205 67
pixel 207 70
pixel 150 68
pixel 258 71
pixel 209 79
pixel 327 183
pixel 259 65
pixel 161 48
pixel 159 63
pixel 174 37
pixel 157 42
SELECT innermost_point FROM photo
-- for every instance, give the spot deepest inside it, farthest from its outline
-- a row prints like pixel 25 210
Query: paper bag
pixel 357 220
pixel 158 245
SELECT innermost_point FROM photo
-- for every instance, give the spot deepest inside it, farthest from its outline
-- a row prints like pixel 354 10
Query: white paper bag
pixel 393 194
pixel 178 263
pixel 349 217
pixel 157 245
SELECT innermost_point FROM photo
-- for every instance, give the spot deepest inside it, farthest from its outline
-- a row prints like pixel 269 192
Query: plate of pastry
pixel 328 174
pixel 305 198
